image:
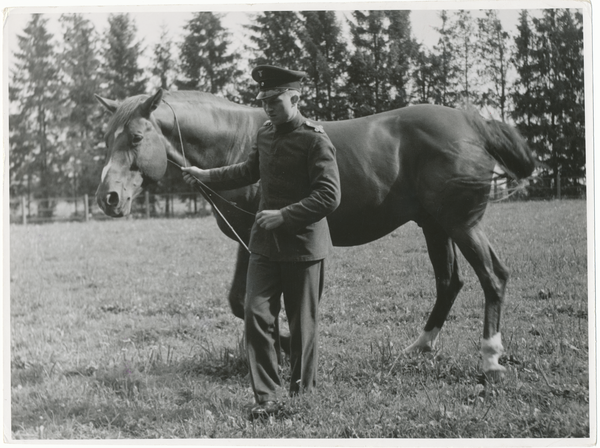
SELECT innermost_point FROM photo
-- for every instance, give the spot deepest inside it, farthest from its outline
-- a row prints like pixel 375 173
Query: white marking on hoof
pixel 491 350
pixel 424 343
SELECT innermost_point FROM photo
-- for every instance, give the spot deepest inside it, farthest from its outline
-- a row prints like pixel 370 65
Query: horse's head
pixel 136 152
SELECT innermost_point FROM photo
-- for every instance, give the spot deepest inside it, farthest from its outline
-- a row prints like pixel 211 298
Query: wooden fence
pixel 26 210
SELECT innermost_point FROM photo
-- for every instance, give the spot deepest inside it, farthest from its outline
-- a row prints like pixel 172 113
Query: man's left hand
pixel 269 219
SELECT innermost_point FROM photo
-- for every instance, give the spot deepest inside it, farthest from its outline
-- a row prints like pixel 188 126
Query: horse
pixel 425 163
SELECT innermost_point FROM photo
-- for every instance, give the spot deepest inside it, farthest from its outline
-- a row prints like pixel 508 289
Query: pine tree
pixel 463 33
pixel 425 76
pixel 369 88
pixel 35 97
pixel 549 95
pixel 206 63
pixel 571 86
pixel 445 67
pixel 122 75
pixel 275 39
pixel 163 64
pixel 524 83
pixel 325 63
pixel 402 51
pixel 560 53
pixel 494 55
pixel 80 65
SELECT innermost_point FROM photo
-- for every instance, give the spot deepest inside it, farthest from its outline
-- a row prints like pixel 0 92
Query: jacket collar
pixel 289 126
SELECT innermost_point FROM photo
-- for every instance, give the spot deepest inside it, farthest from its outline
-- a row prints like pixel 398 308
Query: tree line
pixel 532 78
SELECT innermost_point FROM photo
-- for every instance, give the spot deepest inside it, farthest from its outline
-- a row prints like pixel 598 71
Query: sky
pixel 150 20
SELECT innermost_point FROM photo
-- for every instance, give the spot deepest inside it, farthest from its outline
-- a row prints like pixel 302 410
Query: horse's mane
pixel 124 112
pixel 195 97
pixel 188 97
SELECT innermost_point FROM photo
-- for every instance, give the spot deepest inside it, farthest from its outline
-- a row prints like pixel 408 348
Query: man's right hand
pixel 193 174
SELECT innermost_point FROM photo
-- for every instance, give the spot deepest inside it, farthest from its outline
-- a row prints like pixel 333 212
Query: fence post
pixel 86 208
pixel 558 184
pixel 147 203
pixel 23 210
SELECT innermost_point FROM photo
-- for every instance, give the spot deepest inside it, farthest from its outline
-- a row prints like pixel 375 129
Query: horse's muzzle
pixel 112 204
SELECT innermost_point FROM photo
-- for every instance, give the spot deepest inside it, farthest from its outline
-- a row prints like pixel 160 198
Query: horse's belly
pixel 353 223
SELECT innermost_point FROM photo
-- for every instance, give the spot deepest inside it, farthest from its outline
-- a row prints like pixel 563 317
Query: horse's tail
pixel 506 145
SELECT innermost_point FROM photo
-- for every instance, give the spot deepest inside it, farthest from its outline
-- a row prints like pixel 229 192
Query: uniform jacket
pixel 297 167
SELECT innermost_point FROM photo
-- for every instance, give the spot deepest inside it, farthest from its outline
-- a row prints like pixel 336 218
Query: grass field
pixel 121 330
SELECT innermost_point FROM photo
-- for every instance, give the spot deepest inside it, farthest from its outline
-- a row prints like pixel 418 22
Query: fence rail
pixel 24 210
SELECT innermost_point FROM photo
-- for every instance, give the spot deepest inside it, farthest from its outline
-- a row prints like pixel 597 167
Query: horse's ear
pixel 110 105
pixel 152 103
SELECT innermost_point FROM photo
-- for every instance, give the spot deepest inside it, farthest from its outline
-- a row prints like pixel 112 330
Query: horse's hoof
pixel 494 376
pixel 424 342
pixel 418 349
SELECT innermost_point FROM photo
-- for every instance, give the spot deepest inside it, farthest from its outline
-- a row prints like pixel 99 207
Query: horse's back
pixel 403 164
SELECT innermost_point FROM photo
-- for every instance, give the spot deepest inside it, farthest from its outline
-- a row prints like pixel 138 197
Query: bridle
pixel 205 190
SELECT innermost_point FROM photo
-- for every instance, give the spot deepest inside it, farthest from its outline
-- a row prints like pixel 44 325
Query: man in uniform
pixel 296 164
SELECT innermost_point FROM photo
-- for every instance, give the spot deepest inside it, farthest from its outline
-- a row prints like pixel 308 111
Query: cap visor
pixel 263 95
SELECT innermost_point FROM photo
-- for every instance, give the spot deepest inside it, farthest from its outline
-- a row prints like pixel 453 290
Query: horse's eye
pixel 137 138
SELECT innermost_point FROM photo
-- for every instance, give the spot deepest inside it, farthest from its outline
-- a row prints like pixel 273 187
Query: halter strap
pixel 205 190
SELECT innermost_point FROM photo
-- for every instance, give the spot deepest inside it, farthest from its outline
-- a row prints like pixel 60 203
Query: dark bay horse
pixel 429 164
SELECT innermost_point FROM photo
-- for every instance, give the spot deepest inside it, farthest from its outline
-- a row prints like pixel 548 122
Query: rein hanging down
pixel 205 190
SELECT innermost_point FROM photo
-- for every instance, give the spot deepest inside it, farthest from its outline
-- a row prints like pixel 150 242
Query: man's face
pixel 280 108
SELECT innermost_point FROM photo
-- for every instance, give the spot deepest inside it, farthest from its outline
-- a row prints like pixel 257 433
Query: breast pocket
pixel 288 163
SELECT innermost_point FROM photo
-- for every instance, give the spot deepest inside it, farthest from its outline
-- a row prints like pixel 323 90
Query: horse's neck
pixel 213 134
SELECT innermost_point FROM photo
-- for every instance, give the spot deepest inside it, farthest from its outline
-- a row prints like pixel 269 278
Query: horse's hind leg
pixel 442 254
pixel 493 277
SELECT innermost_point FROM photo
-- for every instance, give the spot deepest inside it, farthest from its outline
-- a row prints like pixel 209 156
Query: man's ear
pixel 295 98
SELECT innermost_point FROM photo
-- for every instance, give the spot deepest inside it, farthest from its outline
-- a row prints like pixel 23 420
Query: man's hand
pixel 193 174
pixel 269 219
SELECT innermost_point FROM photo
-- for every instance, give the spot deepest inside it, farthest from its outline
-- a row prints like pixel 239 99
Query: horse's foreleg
pixel 442 254
pixel 493 277
pixel 237 292
pixel 237 295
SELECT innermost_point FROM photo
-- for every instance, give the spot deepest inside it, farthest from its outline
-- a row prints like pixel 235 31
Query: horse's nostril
pixel 112 198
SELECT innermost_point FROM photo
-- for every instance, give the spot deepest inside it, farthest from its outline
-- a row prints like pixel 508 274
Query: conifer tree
pixel 446 69
pixel 275 39
pixel 368 81
pixel 494 55
pixel 379 71
pixel 402 51
pixel 524 84
pixel 206 63
pixel 425 76
pixel 121 73
pixel 79 63
pixel 35 101
pixel 549 93
pixel 163 64
pixel 325 63
pixel 465 57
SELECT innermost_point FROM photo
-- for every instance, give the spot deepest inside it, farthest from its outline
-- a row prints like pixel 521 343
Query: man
pixel 295 162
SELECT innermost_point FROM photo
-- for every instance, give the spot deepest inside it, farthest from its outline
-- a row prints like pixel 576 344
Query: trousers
pixel 301 284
